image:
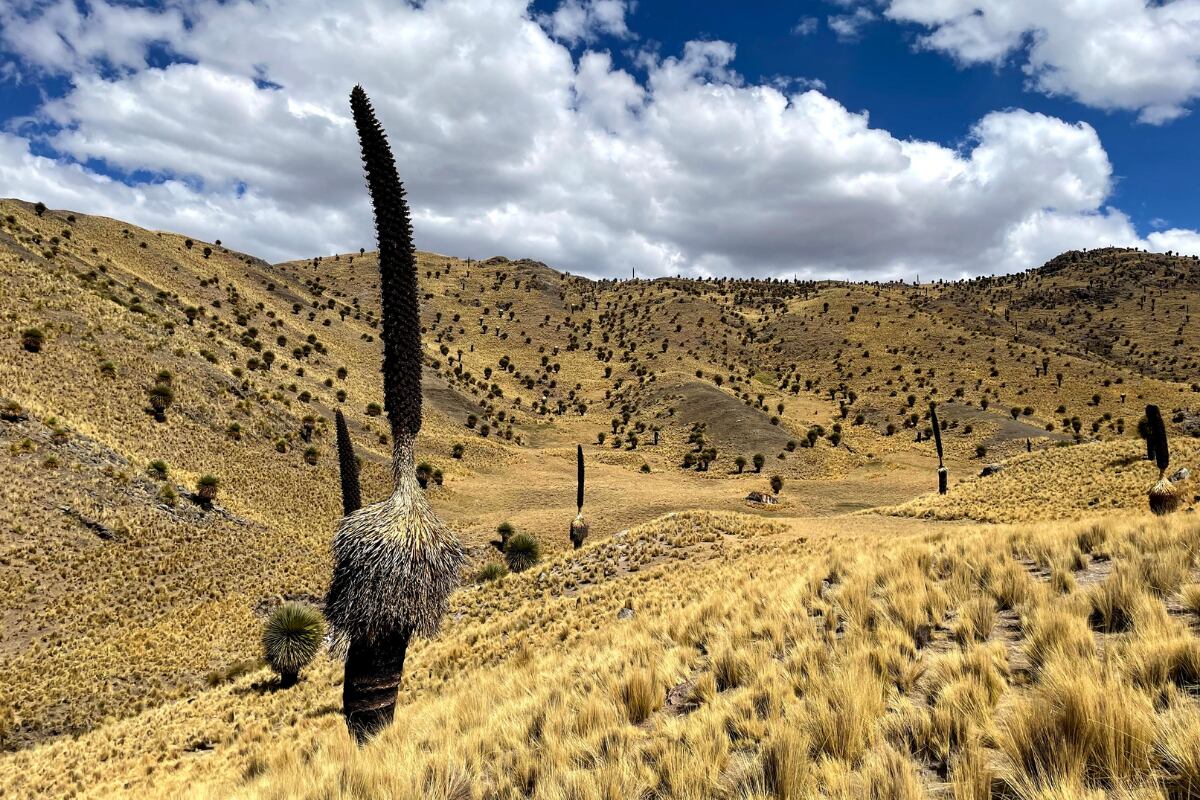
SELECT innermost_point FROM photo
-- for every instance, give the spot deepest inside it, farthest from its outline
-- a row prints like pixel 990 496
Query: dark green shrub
pixel 207 487
pixel 291 639
pixel 32 340
pixel 424 473
pixel 491 571
pixel 161 398
pixel 522 552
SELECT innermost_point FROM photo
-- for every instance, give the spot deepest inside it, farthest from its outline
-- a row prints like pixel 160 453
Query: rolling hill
pixel 132 609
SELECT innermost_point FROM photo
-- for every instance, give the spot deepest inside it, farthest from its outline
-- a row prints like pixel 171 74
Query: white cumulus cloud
pixel 511 144
pixel 1133 55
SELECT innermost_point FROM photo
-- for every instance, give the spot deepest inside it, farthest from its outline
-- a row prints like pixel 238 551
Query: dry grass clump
pixel 642 694
pixel 1191 597
pixel 1076 730
pixel 975 621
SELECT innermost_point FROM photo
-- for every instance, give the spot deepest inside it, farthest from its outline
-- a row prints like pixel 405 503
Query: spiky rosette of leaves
pixel 522 552
pixel 401 319
pixel 347 467
pixel 395 565
pixel 1163 497
pixel 579 530
pixel 292 638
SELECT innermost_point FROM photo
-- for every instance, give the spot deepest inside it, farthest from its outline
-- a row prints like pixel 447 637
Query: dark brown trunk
pixel 943 480
pixel 373 671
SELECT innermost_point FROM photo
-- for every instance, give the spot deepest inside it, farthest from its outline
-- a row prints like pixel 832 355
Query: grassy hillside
pixel 132 610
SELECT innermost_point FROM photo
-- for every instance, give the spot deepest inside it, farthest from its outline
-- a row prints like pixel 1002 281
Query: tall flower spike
pixel 579 477
pixel 401 322
pixel 1163 497
pixel 395 563
pixel 579 526
pixel 348 468
pixel 943 474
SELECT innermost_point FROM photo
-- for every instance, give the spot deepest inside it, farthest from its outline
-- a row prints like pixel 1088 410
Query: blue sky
pixel 851 138
pixel 917 93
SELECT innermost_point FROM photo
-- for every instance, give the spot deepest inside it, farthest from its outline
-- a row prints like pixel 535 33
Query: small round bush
pixel 161 397
pixel 776 484
pixel 32 340
pixel 291 639
pixel 424 472
pixel 521 552
pixel 157 469
pixel 207 487
pixel 491 571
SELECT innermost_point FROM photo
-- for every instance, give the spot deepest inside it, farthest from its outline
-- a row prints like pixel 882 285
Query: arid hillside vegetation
pixel 169 477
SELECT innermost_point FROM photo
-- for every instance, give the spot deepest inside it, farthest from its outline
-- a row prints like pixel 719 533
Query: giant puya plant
pixel 1163 497
pixel 395 563
pixel 943 473
pixel 579 526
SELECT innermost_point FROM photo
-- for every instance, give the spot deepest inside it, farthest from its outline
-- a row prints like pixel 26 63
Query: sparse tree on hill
pixel 759 460
pixel 395 563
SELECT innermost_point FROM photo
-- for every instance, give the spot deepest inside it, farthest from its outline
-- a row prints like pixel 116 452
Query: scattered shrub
pixel 291 639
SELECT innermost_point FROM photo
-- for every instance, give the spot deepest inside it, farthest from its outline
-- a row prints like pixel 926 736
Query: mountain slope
pixel 130 605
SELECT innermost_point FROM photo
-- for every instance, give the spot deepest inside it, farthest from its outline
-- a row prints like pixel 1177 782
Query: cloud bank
pixel 511 142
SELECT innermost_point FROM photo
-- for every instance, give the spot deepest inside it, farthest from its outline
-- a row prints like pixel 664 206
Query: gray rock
pixel 991 469
pixel 625 613
pixel 1180 474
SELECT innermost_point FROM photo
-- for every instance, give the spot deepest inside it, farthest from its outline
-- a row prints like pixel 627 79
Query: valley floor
pixel 844 656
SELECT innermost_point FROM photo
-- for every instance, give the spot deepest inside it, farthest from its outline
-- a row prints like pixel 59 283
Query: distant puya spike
pixel 347 467
pixel 1163 497
pixel 579 526
pixel 395 563
pixel 943 473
